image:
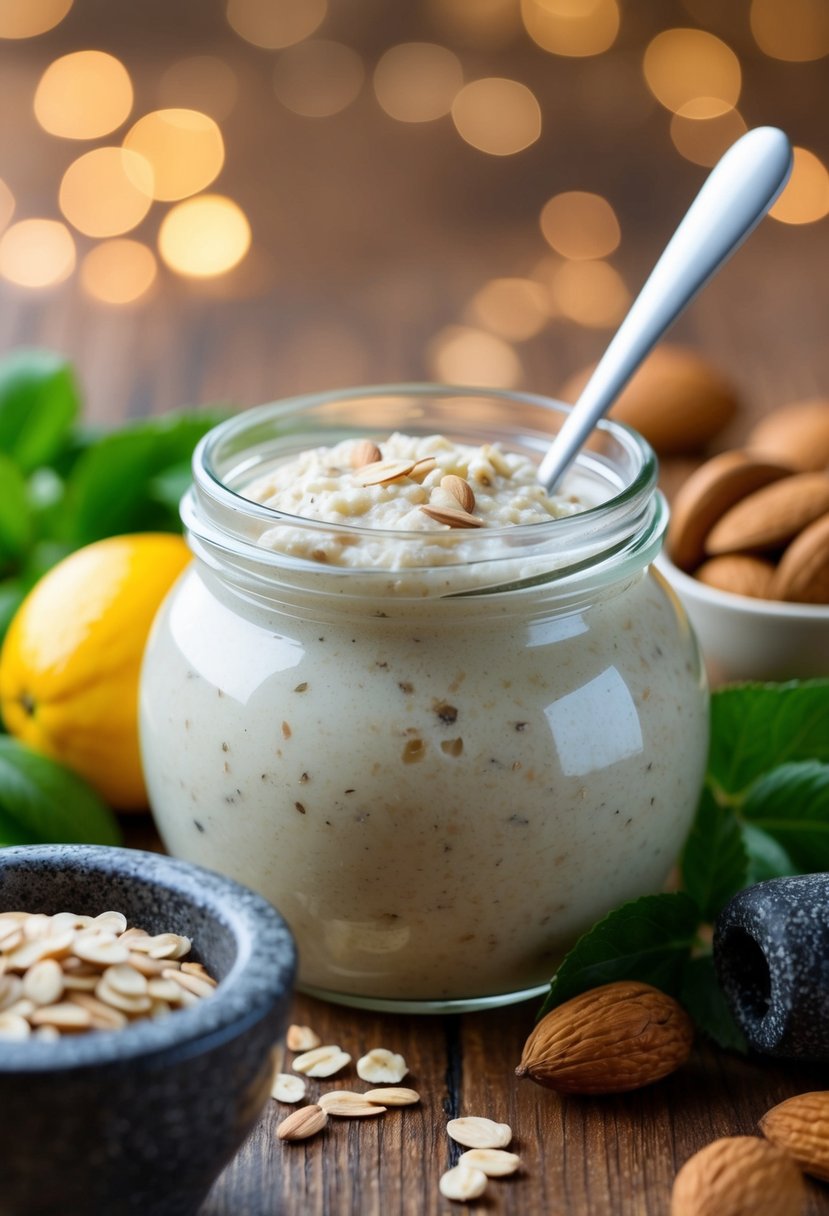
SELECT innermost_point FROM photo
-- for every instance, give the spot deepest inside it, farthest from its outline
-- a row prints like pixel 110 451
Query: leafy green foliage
pixel 702 996
pixel 791 804
pixel 38 405
pixel 42 802
pixel 714 861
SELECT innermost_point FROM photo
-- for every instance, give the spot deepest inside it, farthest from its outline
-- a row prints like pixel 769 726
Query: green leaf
pixel 43 802
pixel 703 998
pixel 791 804
pixel 648 939
pixel 766 857
pixel 714 862
pixel 15 516
pixel 38 404
pixel 755 727
pixel 113 487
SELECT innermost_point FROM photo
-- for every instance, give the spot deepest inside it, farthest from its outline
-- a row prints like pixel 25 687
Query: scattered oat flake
pixel 301 1038
pixel 494 1162
pixel 287 1088
pixel 473 1131
pixel 463 1183
pixel 379 1066
pixel 322 1061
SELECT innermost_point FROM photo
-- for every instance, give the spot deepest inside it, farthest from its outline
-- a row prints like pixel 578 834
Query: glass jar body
pixel 439 794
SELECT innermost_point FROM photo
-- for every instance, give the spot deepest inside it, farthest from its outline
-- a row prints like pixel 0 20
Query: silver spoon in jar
pixel 734 198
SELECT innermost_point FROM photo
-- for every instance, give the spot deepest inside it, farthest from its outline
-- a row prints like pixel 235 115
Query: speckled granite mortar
pixel 142 1120
pixel 771 948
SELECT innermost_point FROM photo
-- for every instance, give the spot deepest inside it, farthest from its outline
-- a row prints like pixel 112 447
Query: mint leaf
pixel 766 857
pixel 114 486
pixel 15 516
pixel 648 939
pixel 791 804
pixel 755 727
pixel 714 862
pixel 38 404
pixel 702 996
pixel 43 802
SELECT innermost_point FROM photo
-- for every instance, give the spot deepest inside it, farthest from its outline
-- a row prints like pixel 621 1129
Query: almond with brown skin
pixel 738 1176
pixel 302 1124
pixel 611 1039
pixel 771 517
pixel 796 434
pixel 364 452
pixel 800 1126
pixel 739 573
pixel 711 490
pixel 802 576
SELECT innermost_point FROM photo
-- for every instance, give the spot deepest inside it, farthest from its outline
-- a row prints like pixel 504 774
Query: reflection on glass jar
pixel 440 774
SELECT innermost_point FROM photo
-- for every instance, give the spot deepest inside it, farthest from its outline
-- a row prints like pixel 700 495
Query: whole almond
pixel 739 573
pixel 738 1176
pixel 772 516
pixel 460 490
pixel 796 434
pixel 800 1126
pixel 707 494
pixel 677 400
pixel 302 1123
pixel 609 1040
pixel 802 575
pixel 365 452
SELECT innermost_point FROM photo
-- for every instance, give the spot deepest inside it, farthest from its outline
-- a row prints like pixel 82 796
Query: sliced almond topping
pixel 301 1038
pixel 473 1131
pixel 423 467
pixel 493 1162
pixel 380 1065
pixel 110 922
pixel 149 966
pixel 393 1095
pixel 14 1027
pixel 43 983
pixel 460 490
pixel 348 1104
pixel 66 1015
pixel 164 990
pixel 167 945
pixel 462 1183
pixel 302 1123
pixel 322 1061
pixel 101 948
pixel 126 980
pixel 128 1004
pixel 382 471
pixel 451 517
pixel 365 452
pixel 286 1088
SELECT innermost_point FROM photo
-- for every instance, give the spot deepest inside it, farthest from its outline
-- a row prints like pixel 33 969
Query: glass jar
pixel 441 774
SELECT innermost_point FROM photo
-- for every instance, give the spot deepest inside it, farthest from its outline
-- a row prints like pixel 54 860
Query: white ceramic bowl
pixel 750 639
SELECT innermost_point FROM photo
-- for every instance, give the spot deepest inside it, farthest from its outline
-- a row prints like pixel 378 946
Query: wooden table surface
pixel 370 237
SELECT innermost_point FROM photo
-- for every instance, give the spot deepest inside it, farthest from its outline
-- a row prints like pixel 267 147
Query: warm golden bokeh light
pixel 118 272
pixel 204 236
pixel 806 197
pixel 514 309
pixel 37 253
pixel 574 28
pixel 590 293
pixel 106 191
pixel 702 138
pixel 318 78
pixel 681 65
pixel 184 148
pixel 275 23
pixel 462 355
pixel 7 205
pixel 795 30
pixel 497 115
pixel 27 18
pixel 200 82
pixel 417 81
pixel 483 23
pixel 83 95
pixel 580 225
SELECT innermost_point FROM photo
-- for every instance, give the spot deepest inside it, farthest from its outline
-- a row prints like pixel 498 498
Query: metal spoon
pixel 736 195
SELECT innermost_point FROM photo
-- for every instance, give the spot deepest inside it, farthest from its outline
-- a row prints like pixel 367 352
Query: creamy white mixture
pixel 439 795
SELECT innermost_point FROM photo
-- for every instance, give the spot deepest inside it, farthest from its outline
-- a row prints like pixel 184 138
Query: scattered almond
pixel 738 1176
pixel 800 1127
pixel 321 1061
pixel 302 1123
pixel 802 574
pixel 610 1039
pixel 287 1088
pixel 494 1162
pixel 348 1104
pixel 460 490
pixel 797 434
pixel 451 517
pixel 473 1131
pixel 365 452
pixel 301 1038
pixel 739 573
pixel 462 1183
pixel 393 1096
pixel 379 1066
pixel 770 517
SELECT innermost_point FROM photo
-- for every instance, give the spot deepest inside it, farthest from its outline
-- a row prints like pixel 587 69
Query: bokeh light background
pixel 240 199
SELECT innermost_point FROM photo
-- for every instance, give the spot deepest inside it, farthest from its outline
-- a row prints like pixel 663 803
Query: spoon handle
pixel 734 198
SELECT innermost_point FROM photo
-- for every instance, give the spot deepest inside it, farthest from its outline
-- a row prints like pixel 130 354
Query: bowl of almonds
pixel 140 1001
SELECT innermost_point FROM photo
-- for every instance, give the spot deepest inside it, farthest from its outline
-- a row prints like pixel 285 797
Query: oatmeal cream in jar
pixel 441 719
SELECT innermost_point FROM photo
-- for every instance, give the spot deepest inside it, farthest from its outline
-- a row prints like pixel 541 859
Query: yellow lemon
pixel 71 659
